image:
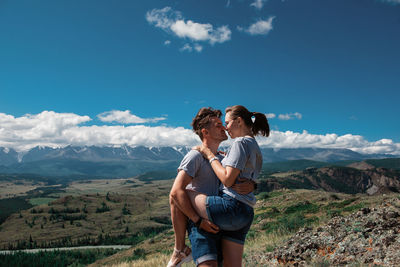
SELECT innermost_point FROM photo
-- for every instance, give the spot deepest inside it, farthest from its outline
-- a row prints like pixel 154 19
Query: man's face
pixel 216 130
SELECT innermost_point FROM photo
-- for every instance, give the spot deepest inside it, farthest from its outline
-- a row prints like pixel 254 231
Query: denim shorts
pixel 205 246
pixel 232 216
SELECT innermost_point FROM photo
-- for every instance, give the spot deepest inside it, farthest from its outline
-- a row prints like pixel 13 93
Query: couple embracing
pixel 212 195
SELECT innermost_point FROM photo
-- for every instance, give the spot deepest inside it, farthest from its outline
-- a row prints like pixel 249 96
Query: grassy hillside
pixel 292 165
pixel 157 175
pixel 123 211
pixel 385 163
pixel 334 179
pixel 135 211
pixel 278 215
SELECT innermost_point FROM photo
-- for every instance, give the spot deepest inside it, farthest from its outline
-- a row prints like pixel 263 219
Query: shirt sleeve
pixel 191 163
pixel 236 156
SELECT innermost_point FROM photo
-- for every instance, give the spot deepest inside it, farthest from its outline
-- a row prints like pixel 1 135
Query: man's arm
pixel 181 199
pixel 244 187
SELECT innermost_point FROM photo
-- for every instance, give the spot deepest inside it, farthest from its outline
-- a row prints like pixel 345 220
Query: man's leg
pixel 232 253
pixel 205 246
pixel 179 222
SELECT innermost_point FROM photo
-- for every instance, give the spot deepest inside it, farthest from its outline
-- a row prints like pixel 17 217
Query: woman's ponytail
pixel 260 124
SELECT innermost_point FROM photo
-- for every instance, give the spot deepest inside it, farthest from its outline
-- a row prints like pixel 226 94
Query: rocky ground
pixel 368 236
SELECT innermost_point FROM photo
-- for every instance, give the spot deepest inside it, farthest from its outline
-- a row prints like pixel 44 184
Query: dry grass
pixel 285 174
pixel 17 188
pixel 156 261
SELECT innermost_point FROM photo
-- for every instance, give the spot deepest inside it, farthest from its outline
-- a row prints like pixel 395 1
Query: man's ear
pixel 204 131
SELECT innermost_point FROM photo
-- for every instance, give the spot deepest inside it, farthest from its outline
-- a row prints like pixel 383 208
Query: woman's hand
pixel 205 151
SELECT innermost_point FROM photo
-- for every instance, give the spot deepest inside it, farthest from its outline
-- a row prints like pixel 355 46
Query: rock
pixel 365 210
pixel 369 236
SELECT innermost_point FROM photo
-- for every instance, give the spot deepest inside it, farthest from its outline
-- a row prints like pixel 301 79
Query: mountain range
pixel 128 161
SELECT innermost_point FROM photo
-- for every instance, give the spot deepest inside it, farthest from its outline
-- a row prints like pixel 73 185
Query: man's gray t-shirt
pixel 245 155
pixel 204 179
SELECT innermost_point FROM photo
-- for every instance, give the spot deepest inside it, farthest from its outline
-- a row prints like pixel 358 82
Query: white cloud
pixel 53 129
pixel 258 4
pixel 191 30
pixel 167 42
pixel 172 22
pixel 186 47
pixel 189 48
pixel 290 116
pixel 356 143
pixel 395 2
pixel 125 117
pixel 270 115
pixel 198 48
pixel 45 128
pixel 201 32
pixel 261 27
pixel 163 18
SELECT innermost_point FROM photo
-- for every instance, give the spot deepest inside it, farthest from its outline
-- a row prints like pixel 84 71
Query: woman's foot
pixel 178 257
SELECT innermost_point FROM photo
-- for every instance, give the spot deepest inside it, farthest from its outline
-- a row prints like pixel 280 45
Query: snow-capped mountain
pixel 128 161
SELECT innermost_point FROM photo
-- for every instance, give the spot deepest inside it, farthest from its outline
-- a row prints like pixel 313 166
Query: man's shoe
pixel 179 257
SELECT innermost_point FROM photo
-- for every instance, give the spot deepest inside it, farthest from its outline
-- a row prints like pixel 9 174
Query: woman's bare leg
pixel 199 203
pixel 232 253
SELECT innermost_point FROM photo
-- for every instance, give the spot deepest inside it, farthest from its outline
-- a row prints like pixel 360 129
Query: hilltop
pixel 280 219
pixel 357 177
pixel 368 236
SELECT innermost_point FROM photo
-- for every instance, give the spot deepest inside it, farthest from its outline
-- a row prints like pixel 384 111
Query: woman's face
pixel 231 126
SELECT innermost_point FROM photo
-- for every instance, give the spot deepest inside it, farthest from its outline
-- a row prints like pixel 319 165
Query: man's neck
pixel 212 145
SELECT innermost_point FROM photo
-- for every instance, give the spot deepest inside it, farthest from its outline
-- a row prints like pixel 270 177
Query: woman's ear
pixel 239 120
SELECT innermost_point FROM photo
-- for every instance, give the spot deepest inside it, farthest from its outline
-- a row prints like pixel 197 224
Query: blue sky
pixel 326 72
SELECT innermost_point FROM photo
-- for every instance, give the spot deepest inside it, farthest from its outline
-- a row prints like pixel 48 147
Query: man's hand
pixel 208 226
pixel 244 187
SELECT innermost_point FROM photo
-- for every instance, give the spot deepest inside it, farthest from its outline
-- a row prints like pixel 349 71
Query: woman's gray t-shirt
pixel 245 155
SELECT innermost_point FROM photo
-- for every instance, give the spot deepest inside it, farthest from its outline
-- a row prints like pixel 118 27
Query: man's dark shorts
pixel 205 246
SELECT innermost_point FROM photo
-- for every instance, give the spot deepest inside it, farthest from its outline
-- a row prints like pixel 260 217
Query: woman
pixel 231 211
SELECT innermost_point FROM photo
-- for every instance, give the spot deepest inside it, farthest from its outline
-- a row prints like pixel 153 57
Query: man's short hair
pixel 203 119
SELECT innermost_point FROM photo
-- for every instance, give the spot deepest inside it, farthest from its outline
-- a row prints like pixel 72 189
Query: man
pixel 196 175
